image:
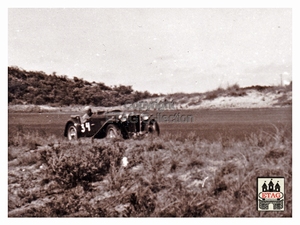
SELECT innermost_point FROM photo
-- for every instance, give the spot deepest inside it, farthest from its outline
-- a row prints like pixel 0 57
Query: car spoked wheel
pixel 72 133
pixel 154 128
pixel 113 132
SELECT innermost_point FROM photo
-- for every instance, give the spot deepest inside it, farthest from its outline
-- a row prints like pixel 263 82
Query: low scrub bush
pixel 166 176
pixel 80 163
pixel 238 93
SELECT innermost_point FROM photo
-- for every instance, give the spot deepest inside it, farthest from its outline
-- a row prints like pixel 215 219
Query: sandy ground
pixel 253 99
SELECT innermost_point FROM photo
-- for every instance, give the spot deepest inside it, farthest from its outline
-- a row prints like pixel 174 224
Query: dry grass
pixel 166 176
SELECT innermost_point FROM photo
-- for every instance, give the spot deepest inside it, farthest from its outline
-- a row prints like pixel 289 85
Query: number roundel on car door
pixel 91 126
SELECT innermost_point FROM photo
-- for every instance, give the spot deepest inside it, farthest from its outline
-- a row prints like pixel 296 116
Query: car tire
pixel 113 132
pixel 154 128
pixel 72 132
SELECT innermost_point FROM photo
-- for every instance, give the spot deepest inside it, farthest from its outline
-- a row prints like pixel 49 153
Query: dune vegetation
pixel 166 176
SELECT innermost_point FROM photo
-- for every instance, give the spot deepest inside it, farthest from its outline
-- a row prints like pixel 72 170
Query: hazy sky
pixel 159 50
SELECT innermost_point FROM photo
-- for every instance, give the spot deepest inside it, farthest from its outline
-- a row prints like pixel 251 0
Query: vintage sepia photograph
pixel 150 112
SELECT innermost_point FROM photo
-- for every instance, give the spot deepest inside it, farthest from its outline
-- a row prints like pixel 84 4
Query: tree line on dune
pixel 39 88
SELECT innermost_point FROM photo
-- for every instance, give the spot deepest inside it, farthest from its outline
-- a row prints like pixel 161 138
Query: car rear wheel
pixel 113 132
pixel 72 132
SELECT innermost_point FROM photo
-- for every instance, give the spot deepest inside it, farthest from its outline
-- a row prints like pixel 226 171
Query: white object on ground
pixel 124 162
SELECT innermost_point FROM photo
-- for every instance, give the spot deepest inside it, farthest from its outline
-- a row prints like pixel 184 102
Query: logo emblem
pixel 270 193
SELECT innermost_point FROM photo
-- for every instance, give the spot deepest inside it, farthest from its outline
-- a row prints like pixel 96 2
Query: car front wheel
pixel 154 128
pixel 113 132
pixel 72 132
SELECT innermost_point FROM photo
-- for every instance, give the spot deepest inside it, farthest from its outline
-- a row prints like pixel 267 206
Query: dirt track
pixel 207 124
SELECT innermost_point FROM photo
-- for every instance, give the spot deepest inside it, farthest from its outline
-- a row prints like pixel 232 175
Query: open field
pixel 206 124
pixel 203 168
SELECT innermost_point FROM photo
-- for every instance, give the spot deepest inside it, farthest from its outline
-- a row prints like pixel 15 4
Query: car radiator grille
pixel 134 124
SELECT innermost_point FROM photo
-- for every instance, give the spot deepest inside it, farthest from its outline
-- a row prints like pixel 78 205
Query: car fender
pixel 74 120
pixel 103 127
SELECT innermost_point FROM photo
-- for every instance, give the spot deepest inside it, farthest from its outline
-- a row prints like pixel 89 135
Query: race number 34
pixel 85 126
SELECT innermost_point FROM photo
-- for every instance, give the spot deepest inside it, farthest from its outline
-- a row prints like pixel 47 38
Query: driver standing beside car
pixel 88 113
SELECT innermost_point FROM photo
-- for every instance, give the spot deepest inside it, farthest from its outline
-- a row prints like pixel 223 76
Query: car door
pixel 92 125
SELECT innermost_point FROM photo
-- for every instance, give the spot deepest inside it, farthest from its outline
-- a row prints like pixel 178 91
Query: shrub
pixel 238 93
pixel 166 176
pixel 211 96
pixel 72 164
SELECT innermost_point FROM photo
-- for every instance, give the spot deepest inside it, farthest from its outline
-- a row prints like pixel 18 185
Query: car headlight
pixel 145 117
pixel 124 117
